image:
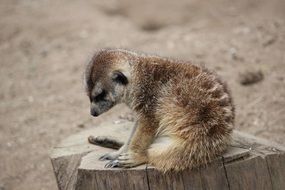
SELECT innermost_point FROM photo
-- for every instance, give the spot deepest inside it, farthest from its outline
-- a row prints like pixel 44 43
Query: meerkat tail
pixel 105 141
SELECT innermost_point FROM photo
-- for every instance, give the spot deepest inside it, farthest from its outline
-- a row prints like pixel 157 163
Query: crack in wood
pixel 269 173
pixel 147 177
pixel 225 170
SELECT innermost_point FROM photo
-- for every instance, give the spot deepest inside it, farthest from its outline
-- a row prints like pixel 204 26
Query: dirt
pixel 250 77
pixel 44 46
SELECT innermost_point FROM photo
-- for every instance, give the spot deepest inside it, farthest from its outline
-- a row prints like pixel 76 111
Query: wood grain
pixel 251 173
pixel 276 167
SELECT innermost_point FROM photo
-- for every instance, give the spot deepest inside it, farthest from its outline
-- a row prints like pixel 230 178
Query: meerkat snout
pixel 105 95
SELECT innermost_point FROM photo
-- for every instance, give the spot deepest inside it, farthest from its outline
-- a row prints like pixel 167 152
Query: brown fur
pixel 185 113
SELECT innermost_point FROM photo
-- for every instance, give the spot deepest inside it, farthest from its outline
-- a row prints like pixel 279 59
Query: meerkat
pixel 185 114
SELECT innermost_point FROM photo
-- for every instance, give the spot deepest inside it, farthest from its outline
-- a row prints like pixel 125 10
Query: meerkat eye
pixel 99 97
pixel 120 78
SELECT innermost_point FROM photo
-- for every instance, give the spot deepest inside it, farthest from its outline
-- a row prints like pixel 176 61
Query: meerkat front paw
pixel 110 156
pixel 127 160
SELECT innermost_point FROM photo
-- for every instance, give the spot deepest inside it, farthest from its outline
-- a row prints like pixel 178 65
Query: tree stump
pixel 249 163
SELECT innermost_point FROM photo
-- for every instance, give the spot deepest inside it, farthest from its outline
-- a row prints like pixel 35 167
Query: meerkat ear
pixel 120 77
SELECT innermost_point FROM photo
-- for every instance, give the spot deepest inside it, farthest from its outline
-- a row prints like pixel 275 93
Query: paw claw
pixel 112 164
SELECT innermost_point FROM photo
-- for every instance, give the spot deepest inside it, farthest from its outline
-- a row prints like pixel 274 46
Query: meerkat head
pixel 106 80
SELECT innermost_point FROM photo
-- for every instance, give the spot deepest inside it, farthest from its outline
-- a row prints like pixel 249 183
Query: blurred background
pixel 44 45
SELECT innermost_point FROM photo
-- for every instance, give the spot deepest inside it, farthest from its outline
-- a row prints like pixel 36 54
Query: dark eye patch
pixel 120 78
pixel 100 96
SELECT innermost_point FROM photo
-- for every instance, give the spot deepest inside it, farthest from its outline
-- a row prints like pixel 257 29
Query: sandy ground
pixel 45 44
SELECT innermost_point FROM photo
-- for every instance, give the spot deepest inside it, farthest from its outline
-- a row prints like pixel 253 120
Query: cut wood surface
pixel 249 163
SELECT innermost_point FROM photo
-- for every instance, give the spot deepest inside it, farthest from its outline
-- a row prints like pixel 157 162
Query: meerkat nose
pixel 93 113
